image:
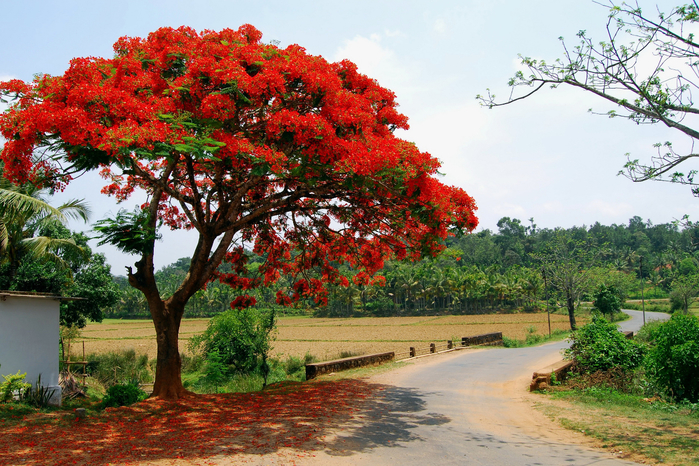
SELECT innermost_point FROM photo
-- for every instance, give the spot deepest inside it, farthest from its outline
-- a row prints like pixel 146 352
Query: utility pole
pixel 546 293
pixel 643 301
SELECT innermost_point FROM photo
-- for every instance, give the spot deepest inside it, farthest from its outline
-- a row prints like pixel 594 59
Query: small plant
pixel 293 365
pixel 14 383
pixel 67 334
pixel 123 395
pixel 554 379
pixel 309 358
pixel 37 396
pixel 214 369
pixel 511 342
pixel 348 354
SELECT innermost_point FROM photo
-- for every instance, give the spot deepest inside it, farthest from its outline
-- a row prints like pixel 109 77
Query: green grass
pixel 663 432
pixel 534 339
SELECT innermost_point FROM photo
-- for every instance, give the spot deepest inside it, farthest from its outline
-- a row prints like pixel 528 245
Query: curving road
pixel 467 407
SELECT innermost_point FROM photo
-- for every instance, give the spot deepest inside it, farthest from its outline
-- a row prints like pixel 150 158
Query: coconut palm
pixel 24 213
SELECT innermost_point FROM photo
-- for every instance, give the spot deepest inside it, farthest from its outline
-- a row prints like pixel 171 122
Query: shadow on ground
pixel 342 418
pixel 387 419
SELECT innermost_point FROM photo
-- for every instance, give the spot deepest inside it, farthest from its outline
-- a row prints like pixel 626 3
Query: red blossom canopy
pixel 242 141
pixel 241 136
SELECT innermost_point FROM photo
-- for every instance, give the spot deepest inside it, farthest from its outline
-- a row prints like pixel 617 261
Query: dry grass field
pixel 326 338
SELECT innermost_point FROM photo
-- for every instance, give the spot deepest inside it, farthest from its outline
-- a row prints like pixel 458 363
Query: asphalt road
pixel 467 407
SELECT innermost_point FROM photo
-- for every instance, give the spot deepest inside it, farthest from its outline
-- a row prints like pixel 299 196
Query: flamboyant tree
pixel 249 144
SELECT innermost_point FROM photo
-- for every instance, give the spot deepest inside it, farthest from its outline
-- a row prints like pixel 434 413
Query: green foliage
pixel 118 367
pixel 14 383
pixel 214 368
pixel 607 300
pixel 38 395
pixel 294 365
pixel 477 273
pixel 92 282
pixel 534 338
pixel 130 232
pixel 676 302
pixel 240 337
pixel 83 275
pixel 123 395
pixel 599 346
pixel 650 306
pixel 673 360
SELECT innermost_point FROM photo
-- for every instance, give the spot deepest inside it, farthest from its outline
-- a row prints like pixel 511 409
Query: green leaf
pixel 260 170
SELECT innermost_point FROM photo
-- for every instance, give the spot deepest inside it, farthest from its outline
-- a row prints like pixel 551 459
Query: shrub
pixel 676 302
pixel 646 334
pixel 118 367
pixel 293 365
pixel 191 363
pixel 599 346
pixel 240 337
pixel 214 369
pixel 14 383
pixel 123 395
pixel 673 360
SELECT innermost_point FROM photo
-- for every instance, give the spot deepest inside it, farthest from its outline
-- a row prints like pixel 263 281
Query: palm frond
pixel 15 204
pixel 46 248
pixel 77 209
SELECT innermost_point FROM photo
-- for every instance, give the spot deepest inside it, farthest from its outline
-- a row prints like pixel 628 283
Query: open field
pixel 326 338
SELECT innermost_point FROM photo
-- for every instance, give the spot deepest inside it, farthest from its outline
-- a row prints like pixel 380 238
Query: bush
pixel 14 383
pixel 646 334
pixel 240 337
pixel 607 300
pixel 676 302
pixel 293 364
pixel 118 367
pixel 673 360
pixel 599 346
pixel 123 395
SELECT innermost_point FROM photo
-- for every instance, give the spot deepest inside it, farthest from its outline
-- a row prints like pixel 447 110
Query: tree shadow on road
pixel 388 419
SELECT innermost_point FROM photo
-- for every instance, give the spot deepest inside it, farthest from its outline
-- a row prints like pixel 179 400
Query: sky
pixel 545 157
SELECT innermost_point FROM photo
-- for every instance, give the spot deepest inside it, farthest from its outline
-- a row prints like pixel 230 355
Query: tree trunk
pixel 168 369
pixel 571 311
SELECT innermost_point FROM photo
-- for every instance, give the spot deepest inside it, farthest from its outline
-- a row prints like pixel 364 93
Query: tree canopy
pixel 646 66
pixel 247 143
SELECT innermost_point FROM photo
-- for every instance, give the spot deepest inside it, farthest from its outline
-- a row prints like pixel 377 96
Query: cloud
pixel 375 60
pixel 439 26
pixel 610 209
pixel 509 210
pixel 396 33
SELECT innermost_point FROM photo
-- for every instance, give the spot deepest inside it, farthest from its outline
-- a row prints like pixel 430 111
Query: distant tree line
pixel 477 273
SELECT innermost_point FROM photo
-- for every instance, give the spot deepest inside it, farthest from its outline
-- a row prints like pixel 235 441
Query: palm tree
pixel 24 213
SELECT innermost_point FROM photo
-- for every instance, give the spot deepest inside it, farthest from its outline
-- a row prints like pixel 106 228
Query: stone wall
pixel 316 369
pixel 494 338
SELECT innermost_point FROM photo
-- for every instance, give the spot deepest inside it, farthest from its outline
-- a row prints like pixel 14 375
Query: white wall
pixel 29 334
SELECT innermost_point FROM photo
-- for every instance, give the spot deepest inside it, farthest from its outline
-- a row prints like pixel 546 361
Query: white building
pixel 29 338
